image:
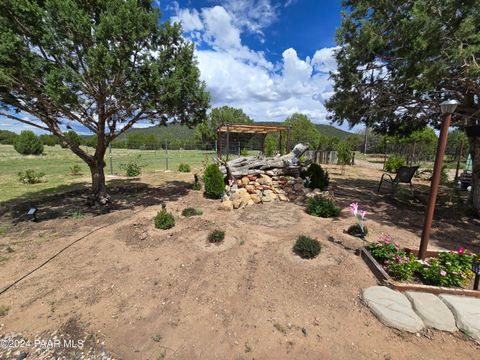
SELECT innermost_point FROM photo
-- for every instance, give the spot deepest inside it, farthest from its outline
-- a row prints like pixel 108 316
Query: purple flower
pixel 443 273
pixel 354 208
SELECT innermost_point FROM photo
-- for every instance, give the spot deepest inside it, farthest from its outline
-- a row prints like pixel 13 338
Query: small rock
pixel 226 205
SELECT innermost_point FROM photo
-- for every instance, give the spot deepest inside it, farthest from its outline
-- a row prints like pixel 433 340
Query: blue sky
pixel 270 58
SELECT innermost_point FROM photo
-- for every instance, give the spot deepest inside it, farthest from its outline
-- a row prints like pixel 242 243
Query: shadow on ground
pixel 66 200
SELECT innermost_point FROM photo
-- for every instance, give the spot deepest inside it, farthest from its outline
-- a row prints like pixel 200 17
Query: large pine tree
pixel 399 59
pixel 103 64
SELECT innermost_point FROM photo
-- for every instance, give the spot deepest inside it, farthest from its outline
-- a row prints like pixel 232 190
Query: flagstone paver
pixel 392 308
pixel 432 311
pixel 467 313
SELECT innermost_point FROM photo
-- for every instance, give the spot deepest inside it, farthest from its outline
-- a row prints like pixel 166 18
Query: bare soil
pixel 151 294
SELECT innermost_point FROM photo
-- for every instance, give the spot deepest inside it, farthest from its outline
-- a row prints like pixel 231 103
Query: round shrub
pixel 131 169
pixel 356 230
pixel 27 143
pixel 30 176
pixel 187 212
pixel 393 163
pixel 214 184
pixel 216 236
pixel 306 247
pixel 164 220
pixel 322 207
pixel 317 177
pixel 184 168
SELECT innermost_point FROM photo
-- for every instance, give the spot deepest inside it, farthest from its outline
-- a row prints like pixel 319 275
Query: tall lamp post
pixel 447 108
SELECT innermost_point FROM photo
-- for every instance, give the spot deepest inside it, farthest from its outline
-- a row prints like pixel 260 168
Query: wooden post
pixel 263 143
pixel 219 144
pixel 288 139
pixel 228 141
pixel 280 144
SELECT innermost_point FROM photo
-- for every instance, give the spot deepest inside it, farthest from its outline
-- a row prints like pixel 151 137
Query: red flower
pixel 461 250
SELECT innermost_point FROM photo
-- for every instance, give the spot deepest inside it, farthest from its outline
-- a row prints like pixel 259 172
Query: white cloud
pixel 238 76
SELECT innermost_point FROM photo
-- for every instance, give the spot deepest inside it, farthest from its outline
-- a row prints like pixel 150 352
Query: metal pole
pixel 385 156
pixel 110 154
pixel 166 155
pixel 437 169
pixel 365 140
pixel 460 154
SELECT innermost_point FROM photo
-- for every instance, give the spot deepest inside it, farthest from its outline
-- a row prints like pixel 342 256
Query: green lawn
pixel 56 163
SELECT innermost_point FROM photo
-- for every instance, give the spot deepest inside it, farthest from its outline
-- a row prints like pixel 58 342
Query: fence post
pixel 111 161
pixel 166 155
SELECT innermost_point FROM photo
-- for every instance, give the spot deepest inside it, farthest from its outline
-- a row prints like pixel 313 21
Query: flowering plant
pixel 451 269
pixel 359 228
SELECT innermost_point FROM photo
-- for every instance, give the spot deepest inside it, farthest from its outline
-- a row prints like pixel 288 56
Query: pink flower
pixel 396 244
pixel 443 273
pixel 461 250
pixel 387 241
pixel 363 213
pixel 354 208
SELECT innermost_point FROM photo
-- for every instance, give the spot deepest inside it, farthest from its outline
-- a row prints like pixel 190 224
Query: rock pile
pixel 255 189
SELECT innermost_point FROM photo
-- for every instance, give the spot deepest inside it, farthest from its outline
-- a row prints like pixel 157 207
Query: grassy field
pixel 55 163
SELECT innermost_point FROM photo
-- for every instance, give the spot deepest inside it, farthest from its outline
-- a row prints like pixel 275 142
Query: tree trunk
pixel 475 153
pixel 99 188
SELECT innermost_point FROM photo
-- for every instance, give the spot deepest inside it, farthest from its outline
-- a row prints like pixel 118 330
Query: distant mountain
pixel 323 129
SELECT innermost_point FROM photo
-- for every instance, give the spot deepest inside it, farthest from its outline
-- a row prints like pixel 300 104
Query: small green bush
pixel 73 138
pixel 131 168
pixel 27 143
pixel 30 176
pixel 393 163
pixel 214 184
pixel 244 152
pixel 318 178
pixel 322 207
pixel 196 183
pixel 356 230
pixel 306 247
pixel 75 170
pixel 216 236
pixel 187 212
pixel 184 168
pixel 164 220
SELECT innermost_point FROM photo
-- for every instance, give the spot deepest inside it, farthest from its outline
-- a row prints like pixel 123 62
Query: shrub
pixel 317 177
pixel 187 212
pixel 344 153
pixel 244 152
pixel 73 138
pixel 393 163
pixel 131 168
pixel 75 170
pixel 27 143
pixel 306 247
pixel 196 183
pixel 322 207
pixel 357 230
pixel 30 176
pixel 184 168
pixel 214 184
pixel 164 220
pixel 216 236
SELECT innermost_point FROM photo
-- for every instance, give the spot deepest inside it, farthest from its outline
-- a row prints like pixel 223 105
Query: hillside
pixel 323 129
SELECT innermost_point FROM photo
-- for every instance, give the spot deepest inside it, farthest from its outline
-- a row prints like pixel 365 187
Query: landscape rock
pixel 466 311
pixel 282 197
pixel 432 310
pixel 392 308
pixel 226 205
pixel 265 180
pixel 245 180
pixel 255 198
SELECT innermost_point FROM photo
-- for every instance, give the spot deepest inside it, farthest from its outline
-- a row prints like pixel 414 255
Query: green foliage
pixel 455 139
pixel 27 143
pixel 214 184
pixel 306 247
pixel 196 183
pixel 393 163
pixel 206 131
pixel 271 145
pixel 216 236
pixel 356 230
pixel 244 152
pixel 318 178
pixel 322 207
pixel 48 140
pixel 164 220
pixel 302 130
pixel 7 137
pixel 103 51
pixel 72 139
pixel 344 153
pixel 140 140
pixel 188 212
pixel 75 170
pixel 183 167
pixel 451 269
pixel 30 176
pixel 131 168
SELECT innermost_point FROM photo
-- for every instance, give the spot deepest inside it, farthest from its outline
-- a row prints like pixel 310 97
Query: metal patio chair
pixel 404 175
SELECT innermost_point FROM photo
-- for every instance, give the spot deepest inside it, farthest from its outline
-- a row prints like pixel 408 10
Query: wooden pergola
pixel 263 130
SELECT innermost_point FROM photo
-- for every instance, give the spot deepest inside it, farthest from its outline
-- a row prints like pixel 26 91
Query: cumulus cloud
pixel 239 76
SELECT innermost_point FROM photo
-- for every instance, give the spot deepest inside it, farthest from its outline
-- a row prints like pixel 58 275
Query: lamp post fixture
pixel 447 108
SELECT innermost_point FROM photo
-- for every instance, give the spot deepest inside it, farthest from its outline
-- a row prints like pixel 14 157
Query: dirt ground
pixel 152 294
